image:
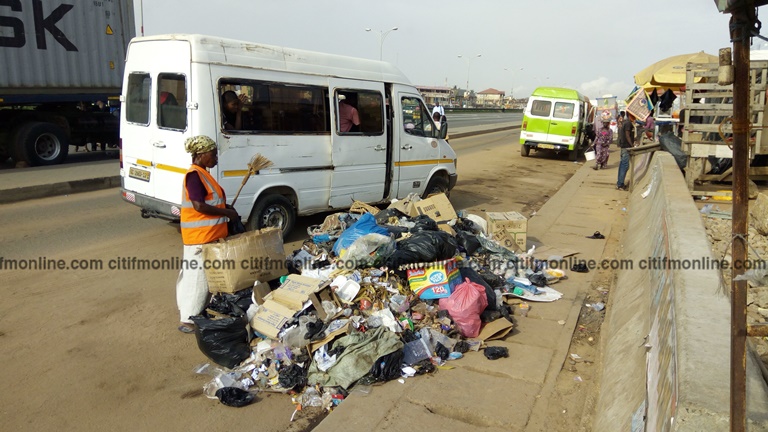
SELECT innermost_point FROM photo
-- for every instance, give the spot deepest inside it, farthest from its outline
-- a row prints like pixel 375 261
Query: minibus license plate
pixel 139 174
pixel 543 146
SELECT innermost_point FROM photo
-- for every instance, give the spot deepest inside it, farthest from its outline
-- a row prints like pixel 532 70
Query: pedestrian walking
pixel 626 141
pixel 603 140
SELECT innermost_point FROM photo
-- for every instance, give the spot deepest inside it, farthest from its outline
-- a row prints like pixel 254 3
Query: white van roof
pixel 211 49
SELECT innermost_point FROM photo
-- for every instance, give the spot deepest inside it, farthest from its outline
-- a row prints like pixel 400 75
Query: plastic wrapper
pixel 365 225
pixel 360 253
pixel 415 351
pixel 465 305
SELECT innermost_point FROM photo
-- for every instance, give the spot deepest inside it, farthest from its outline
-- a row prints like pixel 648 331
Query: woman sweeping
pixel 602 142
pixel 204 215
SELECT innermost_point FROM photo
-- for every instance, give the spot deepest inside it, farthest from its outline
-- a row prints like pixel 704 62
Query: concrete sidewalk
pixel 21 184
pixel 510 393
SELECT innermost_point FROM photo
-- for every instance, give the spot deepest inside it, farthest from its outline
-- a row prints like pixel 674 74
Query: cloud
pixel 602 86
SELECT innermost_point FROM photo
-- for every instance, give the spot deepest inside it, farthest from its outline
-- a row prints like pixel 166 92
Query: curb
pixel 55 189
pixel 480 132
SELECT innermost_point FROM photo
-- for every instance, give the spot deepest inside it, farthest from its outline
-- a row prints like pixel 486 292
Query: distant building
pixel 431 95
pixel 490 98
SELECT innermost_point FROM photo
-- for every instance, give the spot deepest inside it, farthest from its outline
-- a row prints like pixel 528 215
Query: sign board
pixel 638 105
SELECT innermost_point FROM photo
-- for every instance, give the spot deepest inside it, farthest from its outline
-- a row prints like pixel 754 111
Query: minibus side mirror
pixel 443 131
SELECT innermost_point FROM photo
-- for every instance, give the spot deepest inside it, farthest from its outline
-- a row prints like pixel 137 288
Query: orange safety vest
pixel 196 227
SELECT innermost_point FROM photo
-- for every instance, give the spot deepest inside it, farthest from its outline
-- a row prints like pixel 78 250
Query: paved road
pixel 107 352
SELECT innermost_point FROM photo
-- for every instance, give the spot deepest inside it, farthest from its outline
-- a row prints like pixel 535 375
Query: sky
pixel 593 46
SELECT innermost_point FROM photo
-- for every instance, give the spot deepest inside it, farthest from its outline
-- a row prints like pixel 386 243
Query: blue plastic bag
pixel 365 225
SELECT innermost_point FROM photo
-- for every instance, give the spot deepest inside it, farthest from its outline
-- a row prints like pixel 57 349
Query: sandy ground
pixel 98 349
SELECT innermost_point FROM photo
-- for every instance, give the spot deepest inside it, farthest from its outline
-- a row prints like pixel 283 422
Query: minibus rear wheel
pixel 525 150
pixel 272 211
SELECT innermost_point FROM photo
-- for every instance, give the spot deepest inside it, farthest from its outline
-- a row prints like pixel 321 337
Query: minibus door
pixel 564 117
pixel 417 150
pixel 360 154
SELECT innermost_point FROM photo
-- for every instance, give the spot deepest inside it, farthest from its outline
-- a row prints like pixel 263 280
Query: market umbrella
pixel 670 72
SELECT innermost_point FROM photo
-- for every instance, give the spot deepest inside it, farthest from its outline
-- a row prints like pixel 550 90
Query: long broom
pixel 258 162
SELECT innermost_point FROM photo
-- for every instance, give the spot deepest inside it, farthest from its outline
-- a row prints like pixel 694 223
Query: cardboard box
pixel 236 262
pixel 437 207
pixel 434 280
pixel 406 205
pixel 513 224
pixel 282 304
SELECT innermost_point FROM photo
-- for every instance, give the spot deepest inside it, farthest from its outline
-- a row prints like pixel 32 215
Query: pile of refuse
pixel 372 296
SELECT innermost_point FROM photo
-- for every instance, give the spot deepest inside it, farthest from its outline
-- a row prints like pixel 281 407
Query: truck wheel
pixel 39 143
pixel 437 185
pixel 573 155
pixel 272 211
pixel 525 150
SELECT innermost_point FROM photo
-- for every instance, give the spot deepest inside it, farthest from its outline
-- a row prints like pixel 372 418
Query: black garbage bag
pixel 423 246
pixel 396 231
pixel 538 279
pixel 467 241
pixel 442 351
pixel 672 144
pixel 494 353
pixel 470 273
pixel 225 340
pixel 387 367
pixel 234 397
pixel 383 216
pixel 493 280
pixel 235 226
pixel 461 346
pixel 292 377
pixel 423 223
pixel 223 302
pixel 463 224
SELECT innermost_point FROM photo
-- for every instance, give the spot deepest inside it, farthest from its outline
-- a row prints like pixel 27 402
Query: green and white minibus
pixel 554 120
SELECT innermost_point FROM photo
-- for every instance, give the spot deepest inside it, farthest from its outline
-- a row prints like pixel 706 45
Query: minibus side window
pixel 251 107
pixel 367 107
pixel 137 98
pixel 171 101
pixel 416 119
pixel 563 110
pixel 541 108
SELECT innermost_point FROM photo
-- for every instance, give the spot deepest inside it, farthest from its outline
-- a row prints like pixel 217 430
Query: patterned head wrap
pixel 199 144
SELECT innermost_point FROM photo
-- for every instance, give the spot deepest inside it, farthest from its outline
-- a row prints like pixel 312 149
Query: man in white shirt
pixel 438 108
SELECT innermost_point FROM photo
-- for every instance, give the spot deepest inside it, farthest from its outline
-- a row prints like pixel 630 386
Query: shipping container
pixel 59 60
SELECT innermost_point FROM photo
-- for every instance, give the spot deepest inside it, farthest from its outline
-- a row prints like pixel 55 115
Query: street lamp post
pixel 382 35
pixel 511 92
pixel 469 61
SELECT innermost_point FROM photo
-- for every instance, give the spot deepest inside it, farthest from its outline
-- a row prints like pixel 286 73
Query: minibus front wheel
pixel 272 211
pixel 438 184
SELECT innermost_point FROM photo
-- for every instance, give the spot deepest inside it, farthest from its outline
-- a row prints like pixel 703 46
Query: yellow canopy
pixel 670 72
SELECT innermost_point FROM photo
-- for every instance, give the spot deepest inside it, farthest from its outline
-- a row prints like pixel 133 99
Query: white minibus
pixel 174 87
